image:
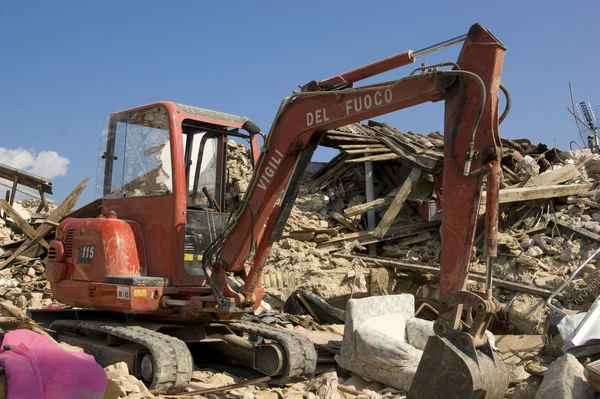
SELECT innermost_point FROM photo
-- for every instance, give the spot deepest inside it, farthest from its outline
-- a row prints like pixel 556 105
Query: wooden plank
pixel 510 173
pixel 353 139
pixel 23 225
pixel 351 146
pixel 397 203
pixel 422 268
pixel 533 193
pixel 374 205
pixel 399 248
pixel 300 235
pixel 556 176
pixel 373 158
pixel 365 149
pixel 13 190
pixel 577 230
pixel 25 178
pixel 56 216
pixel 343 221
pixel 365 237
pixel 347 134
pixel 29 193
pixel 43 202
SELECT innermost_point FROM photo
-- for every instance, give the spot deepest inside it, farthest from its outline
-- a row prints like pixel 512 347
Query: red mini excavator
pixel 168 265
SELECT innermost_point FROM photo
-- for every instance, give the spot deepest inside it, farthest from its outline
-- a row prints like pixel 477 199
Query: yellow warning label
pixel 190 257
pixel 140 292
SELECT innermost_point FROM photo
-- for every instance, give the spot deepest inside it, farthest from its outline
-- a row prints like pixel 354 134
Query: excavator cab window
pixel 205 153
pixel 136 158
pixel 209 185
pixel 202 150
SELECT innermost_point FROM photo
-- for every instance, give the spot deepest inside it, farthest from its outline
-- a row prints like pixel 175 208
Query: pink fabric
pixel 40 368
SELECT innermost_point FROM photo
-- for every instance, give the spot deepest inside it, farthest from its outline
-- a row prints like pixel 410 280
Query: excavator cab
pixel 142 159
pixel 163 176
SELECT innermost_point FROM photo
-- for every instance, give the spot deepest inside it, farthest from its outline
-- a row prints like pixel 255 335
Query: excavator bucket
pixel 450 370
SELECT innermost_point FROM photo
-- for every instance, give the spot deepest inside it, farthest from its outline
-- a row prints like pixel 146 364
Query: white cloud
pixel 47 164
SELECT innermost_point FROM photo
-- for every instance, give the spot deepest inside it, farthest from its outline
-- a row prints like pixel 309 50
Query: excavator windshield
pixel 136 158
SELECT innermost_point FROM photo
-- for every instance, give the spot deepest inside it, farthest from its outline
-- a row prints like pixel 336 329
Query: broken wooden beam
pixel 373 158
pixel 56 216
pixel 25 178
pixel 575 230
pixel 534 193
pixel 23 225
pixel 365 237
pixel 20 190
pixel 354 146
pixel 366 149
pixel 374 205
pixel 343 221
pixel 553 177
pixel 397 203
pixel 422 268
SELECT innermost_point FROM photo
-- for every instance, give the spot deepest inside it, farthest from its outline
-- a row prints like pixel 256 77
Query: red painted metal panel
pixel 291 132
pixel 483 55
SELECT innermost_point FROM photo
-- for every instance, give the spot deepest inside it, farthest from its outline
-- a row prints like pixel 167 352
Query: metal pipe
pixel 439 46
pixel 571 277
pixel 367 71
pixel 166 302
pixel 489 273
pixel 384 65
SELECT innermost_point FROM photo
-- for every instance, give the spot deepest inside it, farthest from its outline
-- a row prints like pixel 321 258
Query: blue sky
pixel 67 64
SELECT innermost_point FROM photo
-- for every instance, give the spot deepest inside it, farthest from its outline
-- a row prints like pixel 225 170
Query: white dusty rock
pixel 528 165
pixel 71 348
pixel 325 386
pixel 534 252
pixel 565 379
pixel 571 251
pixel 526 389
pixel 527 313
pixel 128 384
pixel 116 370
pixel 518 374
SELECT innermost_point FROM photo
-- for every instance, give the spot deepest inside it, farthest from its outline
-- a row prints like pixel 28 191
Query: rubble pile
pixel 239 172
pixel 22 279
pixel 549 224
pixel 368 224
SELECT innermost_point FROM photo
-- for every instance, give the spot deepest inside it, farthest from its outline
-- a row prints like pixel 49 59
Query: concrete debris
pixel 527 313
pixel 330 249
pixel 239 169
pixel 129 386
pixel 565 379
pixel 526 389
pixel 326 386
pixel 528 165
pixel 330 217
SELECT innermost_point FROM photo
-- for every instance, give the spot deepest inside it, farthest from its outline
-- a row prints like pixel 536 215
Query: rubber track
pixel 300 351
pixel 173 363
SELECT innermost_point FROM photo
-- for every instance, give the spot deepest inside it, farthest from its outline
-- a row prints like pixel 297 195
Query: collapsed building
pixel 367 223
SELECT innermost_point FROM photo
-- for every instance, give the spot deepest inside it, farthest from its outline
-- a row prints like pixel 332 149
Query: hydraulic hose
pixel 508 103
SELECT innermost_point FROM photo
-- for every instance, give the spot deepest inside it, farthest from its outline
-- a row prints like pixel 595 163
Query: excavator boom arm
pixel 471 148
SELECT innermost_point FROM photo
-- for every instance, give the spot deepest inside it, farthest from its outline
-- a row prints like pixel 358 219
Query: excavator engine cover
pixel 445 371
